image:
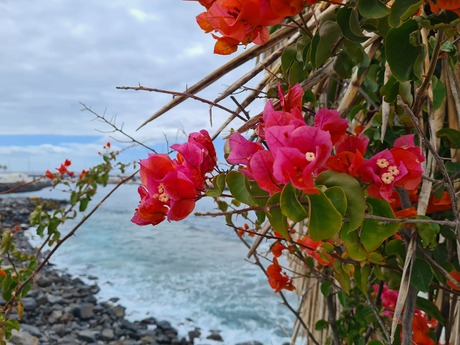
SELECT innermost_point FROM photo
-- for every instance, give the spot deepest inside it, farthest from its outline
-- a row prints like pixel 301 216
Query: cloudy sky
pixel 58 53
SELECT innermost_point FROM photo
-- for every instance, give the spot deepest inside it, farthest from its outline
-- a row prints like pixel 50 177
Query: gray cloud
pixel 57 53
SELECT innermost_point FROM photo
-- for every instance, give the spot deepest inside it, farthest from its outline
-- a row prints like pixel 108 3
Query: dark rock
pixel 29 303
pixel 250 343
pixel 32 330
pixel 215 335
pixel 84 311
pixel 107 334
pixel 88 335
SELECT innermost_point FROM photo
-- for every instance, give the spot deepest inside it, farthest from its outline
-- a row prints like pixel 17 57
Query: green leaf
pixel 390 90
pixel 422 275
pixel 326 38
pixel 352 244
pixel 451 135
pixel 347 18
pixel 401 10
pixel 219 184
pixel 321 324
pixel 326 288
pixel 338 198
pixel 349 56
pixel 277 219
pixel 362 277
pixel 342 277
pixel 84 204
pixel 290 204
pixel 439 93
pixel 402 50
pixel 427 232
pixel 372 9
pixel 239 187
pixel 356 204
pixel 429 308
pixel 324 221
pixel 374 231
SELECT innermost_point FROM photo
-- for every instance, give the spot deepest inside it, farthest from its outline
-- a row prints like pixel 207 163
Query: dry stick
pixel 379 319
pixel 224 69
pixel 185 94
pixel 65 238
pixel 256 70
pixel 448 182
pixel 384 220
pixel 249 99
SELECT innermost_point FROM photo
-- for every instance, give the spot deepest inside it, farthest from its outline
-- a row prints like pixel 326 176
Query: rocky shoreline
pixel 61 309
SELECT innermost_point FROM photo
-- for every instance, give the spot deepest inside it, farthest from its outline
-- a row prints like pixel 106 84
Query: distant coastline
pixel 20 183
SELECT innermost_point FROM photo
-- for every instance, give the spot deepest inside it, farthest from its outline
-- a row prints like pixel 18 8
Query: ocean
pixel 193 273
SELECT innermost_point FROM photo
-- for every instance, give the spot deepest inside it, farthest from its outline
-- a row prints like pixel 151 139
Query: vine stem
pixel 65 238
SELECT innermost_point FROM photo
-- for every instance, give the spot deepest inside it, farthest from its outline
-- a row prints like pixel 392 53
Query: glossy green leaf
pixel 451 135
pixel 372 9
pixel 373 231
pixel 290 205
pixel 348 58
pixel 361 276
pixel 356 204
pixel 326 38
pixel 219 184
pixel 428 232
pixel 338 198
pixel 239 187
pixel 324 221
pixel 276 218
pixel 352 244
pixel 422 275
pixel 402 10
pixel 429 308
pixel 347 18
pixel 402 50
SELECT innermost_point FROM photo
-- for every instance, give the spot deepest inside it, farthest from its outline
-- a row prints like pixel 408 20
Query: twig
pixel 186 94
pixel 446 222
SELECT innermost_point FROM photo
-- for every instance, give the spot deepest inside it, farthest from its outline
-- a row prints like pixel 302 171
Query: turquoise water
pixel 192 273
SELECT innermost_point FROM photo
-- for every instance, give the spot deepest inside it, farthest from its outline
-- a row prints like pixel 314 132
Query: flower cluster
pixel 62 171
pixel 170 187
pixel 244 21
pixel 297 152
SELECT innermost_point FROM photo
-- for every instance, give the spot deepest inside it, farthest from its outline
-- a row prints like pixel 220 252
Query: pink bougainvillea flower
pixel 298 151
pixel 150 210
pixel 277 280
pixel 257 161
pixel 242 149
pixel 382 172
pixel 197 157
pixel 330 120
pixel 272 117
pixel 291 100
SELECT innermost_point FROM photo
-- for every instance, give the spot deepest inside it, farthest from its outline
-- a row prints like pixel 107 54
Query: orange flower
pixel 450 5
pixel 315 250
pixel 49 175
pixel 277 280
pixel 456 276
pixel 442 204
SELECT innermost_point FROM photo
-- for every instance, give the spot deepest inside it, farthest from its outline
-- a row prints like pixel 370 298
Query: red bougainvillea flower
pixel 439 204
pixel 63 169
pixel 298 151
pixel 277 249
pixel 244 21
pixel 349 154
pixel 450 5
pixel 49 175
pixel 165 191
pixel 82 174
pixel 405 152
pixel 277 280
pixel 330 121
pixel 314 249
